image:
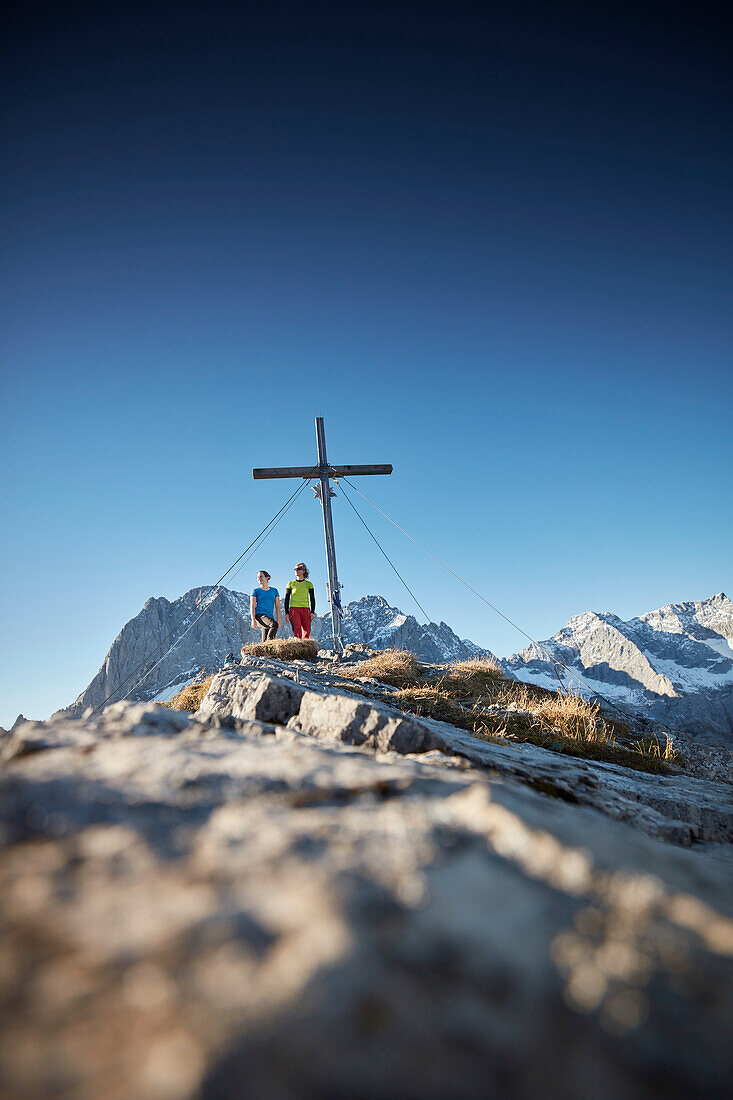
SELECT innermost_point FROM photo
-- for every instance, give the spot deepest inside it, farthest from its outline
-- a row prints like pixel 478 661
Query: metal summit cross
pixel 324 492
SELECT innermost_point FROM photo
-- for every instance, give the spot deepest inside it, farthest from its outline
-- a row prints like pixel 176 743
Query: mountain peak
pixel 205 640
pixel 373 599
pixel 674 664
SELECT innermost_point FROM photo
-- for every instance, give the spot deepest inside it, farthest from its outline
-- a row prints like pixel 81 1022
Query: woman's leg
pixel 301 620
pixel 268 626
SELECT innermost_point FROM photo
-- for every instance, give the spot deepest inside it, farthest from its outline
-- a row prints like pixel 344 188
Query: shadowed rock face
pixel 674 665
pixel 224 628
pixel 300 892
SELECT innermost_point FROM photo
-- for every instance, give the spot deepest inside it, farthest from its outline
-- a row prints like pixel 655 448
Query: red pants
pixel 300 620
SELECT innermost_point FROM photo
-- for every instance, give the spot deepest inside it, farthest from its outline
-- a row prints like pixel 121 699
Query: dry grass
pixel 570 715
pixel 429 701
pixel 397 667
pixel 472 679
pixel 670 753
pixel 284 649
pixel 567 724
pixel 189 698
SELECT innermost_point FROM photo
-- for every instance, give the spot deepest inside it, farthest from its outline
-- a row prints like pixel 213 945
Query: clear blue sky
pixel 492 250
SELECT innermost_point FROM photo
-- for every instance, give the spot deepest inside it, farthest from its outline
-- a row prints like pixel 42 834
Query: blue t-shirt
pixel 265 601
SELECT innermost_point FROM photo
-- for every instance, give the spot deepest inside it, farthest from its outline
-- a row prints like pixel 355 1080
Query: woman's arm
pixel 252 606
pixel 287 603
pixel 277 611
pixel 312 594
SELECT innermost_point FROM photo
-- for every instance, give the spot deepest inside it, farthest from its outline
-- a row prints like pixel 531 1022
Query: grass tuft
pixel 490 707
pixel 397 667
pixel 428 701
pixel 189 698
pixel 570 715
pixel 471 679
pixel 284 649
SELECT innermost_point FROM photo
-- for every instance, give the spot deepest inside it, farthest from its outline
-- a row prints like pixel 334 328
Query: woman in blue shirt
pixel 265 607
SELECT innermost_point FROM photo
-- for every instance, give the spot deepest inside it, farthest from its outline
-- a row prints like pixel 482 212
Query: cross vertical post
pixel 333 581
pixel 324 492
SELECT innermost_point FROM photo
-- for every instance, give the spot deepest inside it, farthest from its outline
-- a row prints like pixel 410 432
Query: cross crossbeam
pixel 324 471
pixel 307 471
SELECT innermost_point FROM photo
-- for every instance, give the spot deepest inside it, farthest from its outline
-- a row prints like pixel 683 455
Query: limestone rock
pixel 195 912
pixel 358 722
pixel 683 808
pixel 247 694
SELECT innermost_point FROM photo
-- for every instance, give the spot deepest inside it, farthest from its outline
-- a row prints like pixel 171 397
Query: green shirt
pixel 299 593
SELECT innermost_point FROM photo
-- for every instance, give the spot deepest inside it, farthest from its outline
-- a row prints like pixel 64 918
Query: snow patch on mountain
pixel 674 664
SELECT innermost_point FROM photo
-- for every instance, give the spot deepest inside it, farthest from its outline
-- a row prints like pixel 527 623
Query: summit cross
pixel 324 492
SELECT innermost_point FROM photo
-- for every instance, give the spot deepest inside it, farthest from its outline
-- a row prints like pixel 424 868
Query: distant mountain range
pixel 225 627
pixel 674 664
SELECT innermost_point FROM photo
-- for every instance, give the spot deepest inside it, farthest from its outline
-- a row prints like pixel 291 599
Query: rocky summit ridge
pixel 673 665
pixel 224 628
pixel 302 891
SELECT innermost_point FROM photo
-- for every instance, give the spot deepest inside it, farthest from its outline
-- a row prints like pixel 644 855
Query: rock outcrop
pixel 302 892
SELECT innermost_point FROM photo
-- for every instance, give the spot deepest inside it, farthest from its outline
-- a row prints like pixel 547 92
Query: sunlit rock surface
pixel 343 901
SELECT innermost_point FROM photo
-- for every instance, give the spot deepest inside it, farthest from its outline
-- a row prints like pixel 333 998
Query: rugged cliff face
pixel 220 630
pixel 674 664
pixel 301 891
pixel 225 628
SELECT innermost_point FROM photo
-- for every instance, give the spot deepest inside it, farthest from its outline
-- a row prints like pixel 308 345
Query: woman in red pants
pixel 300 602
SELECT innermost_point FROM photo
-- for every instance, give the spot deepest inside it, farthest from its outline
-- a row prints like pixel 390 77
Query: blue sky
pixel 494 252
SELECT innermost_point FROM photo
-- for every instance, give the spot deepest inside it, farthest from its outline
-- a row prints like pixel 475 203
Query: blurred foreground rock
pixel 301 893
